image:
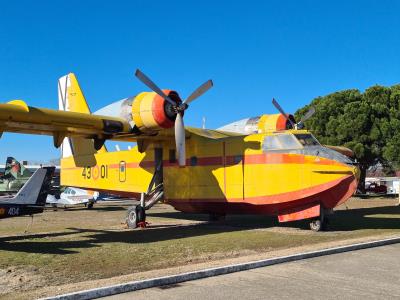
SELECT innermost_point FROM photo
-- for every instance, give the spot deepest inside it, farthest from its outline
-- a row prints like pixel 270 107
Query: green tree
pixel 368 123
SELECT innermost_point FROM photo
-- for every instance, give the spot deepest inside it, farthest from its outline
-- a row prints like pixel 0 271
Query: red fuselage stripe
pixel 253 159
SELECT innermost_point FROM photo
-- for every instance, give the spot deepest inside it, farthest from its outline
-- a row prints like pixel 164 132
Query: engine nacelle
pixel 274 122
pixel 264 123
pixel 149 112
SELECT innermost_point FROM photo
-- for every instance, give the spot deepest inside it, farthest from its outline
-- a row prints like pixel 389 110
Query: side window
pixel 172 156
pixel 122 171
pixel 193 161
pixel 307 139
pixel 288 141
pixel 73 192
pixel 271 142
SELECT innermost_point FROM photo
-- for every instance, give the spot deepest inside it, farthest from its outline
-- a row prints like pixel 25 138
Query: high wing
pixel 16 116
pixel 140 118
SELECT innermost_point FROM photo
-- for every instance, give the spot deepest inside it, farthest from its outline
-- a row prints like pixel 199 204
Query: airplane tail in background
pixel 35 190
pixel 15 169
pixel 71 98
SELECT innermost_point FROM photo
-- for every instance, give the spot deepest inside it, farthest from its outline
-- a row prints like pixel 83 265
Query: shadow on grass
pixel 385 217
pixel 178 215
pixel 94 238
pixel 343 220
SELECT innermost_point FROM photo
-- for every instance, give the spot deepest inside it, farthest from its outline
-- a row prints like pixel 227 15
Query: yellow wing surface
pixel 18 117
pixel 73 119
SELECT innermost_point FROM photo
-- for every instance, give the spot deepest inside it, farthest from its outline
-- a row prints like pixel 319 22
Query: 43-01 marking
pixel 95 172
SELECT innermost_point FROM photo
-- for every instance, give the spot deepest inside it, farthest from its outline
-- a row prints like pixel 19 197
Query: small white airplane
pixel 73 196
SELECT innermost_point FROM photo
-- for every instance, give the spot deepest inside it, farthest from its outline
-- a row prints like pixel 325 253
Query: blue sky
pixel 253 50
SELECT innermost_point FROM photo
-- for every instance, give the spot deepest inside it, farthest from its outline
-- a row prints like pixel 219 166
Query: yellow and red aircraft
pixel 263 165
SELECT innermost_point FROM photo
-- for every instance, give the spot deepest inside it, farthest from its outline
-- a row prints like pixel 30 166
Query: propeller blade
pixel 308 115
pixel 278 107
pixel 199 91
pixel 147 81
pixel 180 140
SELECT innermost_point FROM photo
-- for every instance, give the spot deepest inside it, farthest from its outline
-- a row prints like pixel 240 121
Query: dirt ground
pixel 68 250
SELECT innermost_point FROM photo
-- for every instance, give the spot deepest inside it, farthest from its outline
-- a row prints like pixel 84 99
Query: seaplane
pixel 266 165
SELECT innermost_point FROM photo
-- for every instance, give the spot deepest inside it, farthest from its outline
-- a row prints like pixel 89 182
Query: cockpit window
pixel 281 142
pixel 307 140
pixel 288 141
pixel 271 142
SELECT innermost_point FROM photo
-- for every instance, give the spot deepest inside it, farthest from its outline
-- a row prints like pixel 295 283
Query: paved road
pixel 364 274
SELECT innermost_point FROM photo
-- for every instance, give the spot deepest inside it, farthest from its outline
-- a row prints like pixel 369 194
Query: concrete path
pixel 365 274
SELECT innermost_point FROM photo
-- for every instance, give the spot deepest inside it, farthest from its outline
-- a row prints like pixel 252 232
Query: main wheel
pixel 90 205
pixel 319 225
pixel 135 215
pixel 316 225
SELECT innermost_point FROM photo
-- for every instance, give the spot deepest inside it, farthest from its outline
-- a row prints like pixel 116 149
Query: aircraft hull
pixel 327 195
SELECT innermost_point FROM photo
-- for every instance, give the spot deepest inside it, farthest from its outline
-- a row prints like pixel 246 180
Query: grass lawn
pixel 78 244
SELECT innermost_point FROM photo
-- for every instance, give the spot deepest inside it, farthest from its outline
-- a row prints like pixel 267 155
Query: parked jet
pixel 267 165
pixel 31 198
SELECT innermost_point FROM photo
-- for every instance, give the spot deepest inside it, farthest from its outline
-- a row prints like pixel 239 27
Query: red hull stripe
pixel 329 198
pixel 274 199
pixel 254 159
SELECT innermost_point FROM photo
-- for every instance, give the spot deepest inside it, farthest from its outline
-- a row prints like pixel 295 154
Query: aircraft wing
pixel 16 116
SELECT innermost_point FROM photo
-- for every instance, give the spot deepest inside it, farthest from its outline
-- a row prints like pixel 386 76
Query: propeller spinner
pixel 179 108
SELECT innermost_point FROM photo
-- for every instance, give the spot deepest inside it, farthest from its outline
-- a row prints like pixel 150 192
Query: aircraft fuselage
pixel 232 174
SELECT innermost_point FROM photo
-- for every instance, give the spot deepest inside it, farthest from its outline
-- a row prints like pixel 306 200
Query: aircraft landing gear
pixel 320 223
pixel 317 225
pixel 135 216
pixel 90 205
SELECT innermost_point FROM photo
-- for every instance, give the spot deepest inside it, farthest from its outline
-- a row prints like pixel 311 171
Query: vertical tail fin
pixel 71 98
pixel 15 169
pixel 35 190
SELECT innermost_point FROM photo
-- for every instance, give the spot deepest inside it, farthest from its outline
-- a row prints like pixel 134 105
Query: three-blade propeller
pixel 300 124
pixel 278 107
pixel 179 109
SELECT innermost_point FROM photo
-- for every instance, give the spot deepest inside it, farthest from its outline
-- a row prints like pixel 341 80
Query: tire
pixel 90 205
pixel 316 225
pixel 141 213
pixel 131 217
pixel 135 215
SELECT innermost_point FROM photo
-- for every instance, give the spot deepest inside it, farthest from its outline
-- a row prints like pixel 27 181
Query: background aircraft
pixel 14 177
pixel 73 196
pixel 267 165
pixel 31 198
